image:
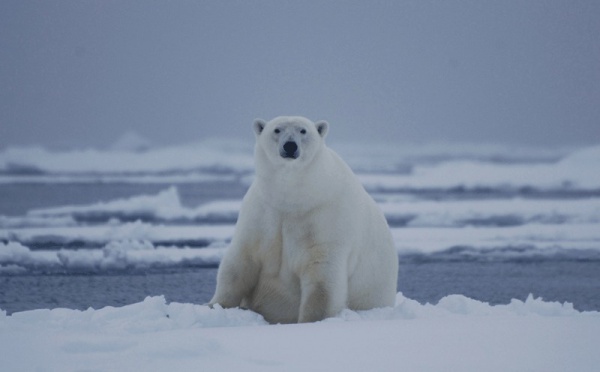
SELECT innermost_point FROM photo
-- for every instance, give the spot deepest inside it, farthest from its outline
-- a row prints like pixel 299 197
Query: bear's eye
pixel 277 131
pixel 303 131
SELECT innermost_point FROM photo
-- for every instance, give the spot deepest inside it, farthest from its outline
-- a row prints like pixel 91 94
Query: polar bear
pixel 309 240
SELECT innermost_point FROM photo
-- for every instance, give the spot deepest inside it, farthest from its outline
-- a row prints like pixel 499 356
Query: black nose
pixel 290 148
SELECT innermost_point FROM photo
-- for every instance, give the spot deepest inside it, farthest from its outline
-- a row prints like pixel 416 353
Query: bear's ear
pixel 322 128
pixel 259 125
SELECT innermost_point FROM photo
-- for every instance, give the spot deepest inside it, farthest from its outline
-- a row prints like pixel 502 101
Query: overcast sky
pixel 81 73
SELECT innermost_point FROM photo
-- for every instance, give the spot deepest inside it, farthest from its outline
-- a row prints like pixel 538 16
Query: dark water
pixel 577 282
pixel 27 292
pixel 493 282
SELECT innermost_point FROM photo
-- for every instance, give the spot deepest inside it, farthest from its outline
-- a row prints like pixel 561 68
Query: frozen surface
pixel 207 155
pixel 116 255
pixel 457 333
pixel 167 206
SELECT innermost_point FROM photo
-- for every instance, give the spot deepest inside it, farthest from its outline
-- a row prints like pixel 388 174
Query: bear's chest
pixel 290 245
pixel 299 239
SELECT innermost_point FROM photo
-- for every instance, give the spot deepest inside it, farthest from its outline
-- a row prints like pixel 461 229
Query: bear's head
pixel 289 139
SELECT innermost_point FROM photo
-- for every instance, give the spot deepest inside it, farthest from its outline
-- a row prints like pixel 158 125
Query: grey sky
pixel 80 73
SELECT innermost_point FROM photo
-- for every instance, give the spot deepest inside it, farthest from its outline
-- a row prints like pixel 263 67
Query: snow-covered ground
pixel 456 334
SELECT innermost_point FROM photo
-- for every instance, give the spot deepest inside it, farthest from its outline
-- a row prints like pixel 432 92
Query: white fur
pixel 309 240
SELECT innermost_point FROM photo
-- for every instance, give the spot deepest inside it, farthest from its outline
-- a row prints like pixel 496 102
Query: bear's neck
pixel 298 188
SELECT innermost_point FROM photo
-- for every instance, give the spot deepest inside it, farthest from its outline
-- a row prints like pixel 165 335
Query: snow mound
pixel 155 314
pixel 575 172
pixel 166 206
pixel 116 255
pixel 214 155
pixel 151 315
pixel 406 308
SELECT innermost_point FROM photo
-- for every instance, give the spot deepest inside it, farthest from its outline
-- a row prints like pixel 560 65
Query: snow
pixel 165 205
pixel 136 254
pixel 476 174
pixel 101 234
pixel 208 155
pixel 141 245
pixel 117 252
pixel 458 333
pixel 541 238
pixel 505 212
pixel 579 170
